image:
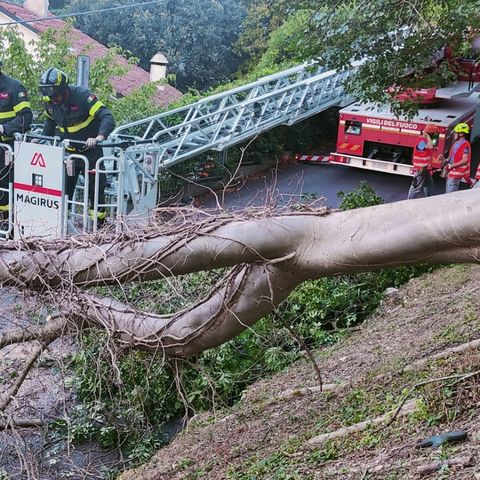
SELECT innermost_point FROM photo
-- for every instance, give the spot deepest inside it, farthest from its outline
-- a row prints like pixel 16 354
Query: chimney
pixel 38 7
pixel 158 67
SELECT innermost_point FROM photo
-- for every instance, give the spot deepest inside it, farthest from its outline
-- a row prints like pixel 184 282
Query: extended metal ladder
pixel 223 120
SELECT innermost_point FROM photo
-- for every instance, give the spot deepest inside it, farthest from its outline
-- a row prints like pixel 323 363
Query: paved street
pixel 293 181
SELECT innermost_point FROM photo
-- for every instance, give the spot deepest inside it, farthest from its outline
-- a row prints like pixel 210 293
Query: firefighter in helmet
pixel 15 117
pixel 79 115
pixel 459 158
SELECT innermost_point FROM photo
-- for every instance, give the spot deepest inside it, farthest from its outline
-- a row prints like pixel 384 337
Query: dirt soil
pixel 267 434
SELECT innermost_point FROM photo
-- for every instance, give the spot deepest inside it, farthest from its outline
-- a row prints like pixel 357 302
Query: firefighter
pixel 423 155
pixel 15 117
pixel 79 115
pixel 458 162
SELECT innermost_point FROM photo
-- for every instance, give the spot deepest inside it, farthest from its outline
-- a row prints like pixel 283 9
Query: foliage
pixel 56 4
pixel 282 46
pixel 138 405
pixel 400 41
pixel 263 18
pixel 195 36
pixel 136 105
pixel 53 49
pixel 363 196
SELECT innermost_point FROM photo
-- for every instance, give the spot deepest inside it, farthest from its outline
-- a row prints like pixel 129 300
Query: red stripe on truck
pixel 37 189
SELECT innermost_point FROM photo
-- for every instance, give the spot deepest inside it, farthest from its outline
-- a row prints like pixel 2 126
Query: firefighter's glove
pixel 2 129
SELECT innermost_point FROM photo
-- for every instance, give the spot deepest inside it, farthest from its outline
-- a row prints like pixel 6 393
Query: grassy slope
pixel 264 436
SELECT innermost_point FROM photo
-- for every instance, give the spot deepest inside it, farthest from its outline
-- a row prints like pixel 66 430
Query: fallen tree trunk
pixel 431 230
pixel 270 256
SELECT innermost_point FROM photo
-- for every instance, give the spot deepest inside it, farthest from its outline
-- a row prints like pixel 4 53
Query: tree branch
pixel 54 328
pixel 7 398
pixel 245 295
pixel 21 423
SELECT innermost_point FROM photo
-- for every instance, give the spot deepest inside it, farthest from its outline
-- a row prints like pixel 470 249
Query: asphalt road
pixel 291 182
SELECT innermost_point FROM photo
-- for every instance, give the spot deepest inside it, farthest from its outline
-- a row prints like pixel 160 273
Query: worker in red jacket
pixel 423 155
pixel 459 158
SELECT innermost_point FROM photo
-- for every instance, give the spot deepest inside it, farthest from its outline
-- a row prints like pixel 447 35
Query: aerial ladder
pixel 223 120
pixel 137 153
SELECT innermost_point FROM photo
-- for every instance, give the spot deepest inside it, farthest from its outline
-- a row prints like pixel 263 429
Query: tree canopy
pixel 195 36
pixel 400 40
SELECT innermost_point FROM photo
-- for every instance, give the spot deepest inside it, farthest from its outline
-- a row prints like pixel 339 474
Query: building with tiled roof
pixel 135 77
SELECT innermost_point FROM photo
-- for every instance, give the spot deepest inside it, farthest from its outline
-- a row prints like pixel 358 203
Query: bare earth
pixel 265 435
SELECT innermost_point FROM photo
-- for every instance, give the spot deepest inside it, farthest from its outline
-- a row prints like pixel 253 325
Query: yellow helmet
pixel 461 128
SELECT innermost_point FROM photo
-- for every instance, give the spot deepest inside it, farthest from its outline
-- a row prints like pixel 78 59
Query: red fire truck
pixel 374 138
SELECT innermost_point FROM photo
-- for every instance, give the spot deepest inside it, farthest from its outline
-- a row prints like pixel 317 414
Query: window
pixel 353 127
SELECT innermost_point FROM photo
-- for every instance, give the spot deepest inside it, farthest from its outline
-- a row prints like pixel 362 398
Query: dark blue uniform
pixel 79 117
pixel 15 117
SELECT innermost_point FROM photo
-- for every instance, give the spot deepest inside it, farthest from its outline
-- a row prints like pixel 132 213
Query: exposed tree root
pixel 407 409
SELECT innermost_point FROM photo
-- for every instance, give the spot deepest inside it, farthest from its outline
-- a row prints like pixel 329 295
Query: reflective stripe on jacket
pixel 422 158
pixel 464 170
pixel 15 112
pixel 81 116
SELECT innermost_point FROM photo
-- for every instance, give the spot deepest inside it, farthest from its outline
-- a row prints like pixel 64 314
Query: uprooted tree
pixel 267 255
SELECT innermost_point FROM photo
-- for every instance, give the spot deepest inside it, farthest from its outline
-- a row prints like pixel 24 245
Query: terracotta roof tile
pixel 83 44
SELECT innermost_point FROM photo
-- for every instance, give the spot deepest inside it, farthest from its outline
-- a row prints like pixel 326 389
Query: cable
pixel 78 14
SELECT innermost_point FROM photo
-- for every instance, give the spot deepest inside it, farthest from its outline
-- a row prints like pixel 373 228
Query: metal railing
pixel 82 213
pixel 6 224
